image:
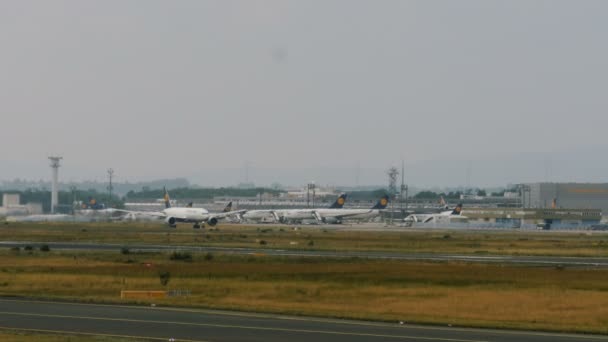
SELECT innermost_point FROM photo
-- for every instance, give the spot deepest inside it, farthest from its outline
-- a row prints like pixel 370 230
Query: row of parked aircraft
pixel 334 214
pixel 198 217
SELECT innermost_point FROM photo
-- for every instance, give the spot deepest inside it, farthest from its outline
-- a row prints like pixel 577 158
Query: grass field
pixel 8 335
pixel 314 238
pixel 552 298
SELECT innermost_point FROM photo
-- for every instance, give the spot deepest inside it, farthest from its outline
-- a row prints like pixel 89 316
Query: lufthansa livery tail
pixel 228 207
pixel 339 203
pixel 382 203
pixel 457 210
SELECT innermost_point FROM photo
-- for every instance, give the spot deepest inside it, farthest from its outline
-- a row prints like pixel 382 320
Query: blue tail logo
pixel 457 210
pixel 339 203
pixel 382 203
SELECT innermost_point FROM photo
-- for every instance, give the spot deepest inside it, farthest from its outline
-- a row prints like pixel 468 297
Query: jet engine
pixel 171 221
pixel 212 221
pixel 332 220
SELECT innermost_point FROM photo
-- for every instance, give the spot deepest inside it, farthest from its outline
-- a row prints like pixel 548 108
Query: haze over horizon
pixel 466 93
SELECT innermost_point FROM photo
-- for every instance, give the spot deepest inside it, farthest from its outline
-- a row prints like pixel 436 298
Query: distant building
pixel 11 200
pixel 566 195
pixel 11 205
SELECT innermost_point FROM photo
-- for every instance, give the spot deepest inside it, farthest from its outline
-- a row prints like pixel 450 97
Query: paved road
pixel 157 323
pixel 507 259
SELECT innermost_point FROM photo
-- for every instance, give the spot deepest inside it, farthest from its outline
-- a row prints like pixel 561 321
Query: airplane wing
pixel 144 213
pixel 319 216
pixel 226 214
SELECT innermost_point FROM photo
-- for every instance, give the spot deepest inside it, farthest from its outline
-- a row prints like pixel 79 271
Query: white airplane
pixel 288 215
pixel 442 217
pixel 336 216
pixel 197 216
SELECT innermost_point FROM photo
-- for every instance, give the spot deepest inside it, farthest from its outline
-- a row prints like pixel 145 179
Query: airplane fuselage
pixel 187 214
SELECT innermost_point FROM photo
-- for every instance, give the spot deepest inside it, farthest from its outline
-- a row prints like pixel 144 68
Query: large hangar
pixel 566 195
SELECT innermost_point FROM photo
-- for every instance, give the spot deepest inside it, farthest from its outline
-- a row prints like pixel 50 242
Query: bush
pixel 208 256
pixel 16 249
pixel 262 242
pixel 311 243
pixel 45 248
pixel 164 277
pixel 28 248
pixel 181 256
pixel 125 251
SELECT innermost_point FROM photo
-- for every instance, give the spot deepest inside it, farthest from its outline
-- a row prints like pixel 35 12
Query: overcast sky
pixel 466 92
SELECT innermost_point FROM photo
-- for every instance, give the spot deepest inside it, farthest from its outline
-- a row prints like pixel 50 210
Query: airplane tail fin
pixel 382 203
pixel 166 198
pixel 457 210
pixel 442 202
pixel 228 207
pixel 189 205
pixel 339 203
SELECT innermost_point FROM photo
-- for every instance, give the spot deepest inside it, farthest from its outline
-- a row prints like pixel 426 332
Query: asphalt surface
pixel 504 259
pixel 163 324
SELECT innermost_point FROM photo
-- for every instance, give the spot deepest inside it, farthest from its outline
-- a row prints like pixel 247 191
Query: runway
pixel 163 324
pixel 506 259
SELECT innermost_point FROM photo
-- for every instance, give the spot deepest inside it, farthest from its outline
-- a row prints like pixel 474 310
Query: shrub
pixel 164 277
pixel 208 256
pixel 45 248
pixel 28 248
pixel 181 256
pixel 16 249
pixel 262 242
pixel 311 243
pixel 125 251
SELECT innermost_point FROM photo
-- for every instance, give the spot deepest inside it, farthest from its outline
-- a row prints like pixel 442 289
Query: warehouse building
pixel 566 195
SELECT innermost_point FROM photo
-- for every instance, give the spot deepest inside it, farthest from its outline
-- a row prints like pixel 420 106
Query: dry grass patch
pixel 414 241
pixel 8 335
pixel 457 293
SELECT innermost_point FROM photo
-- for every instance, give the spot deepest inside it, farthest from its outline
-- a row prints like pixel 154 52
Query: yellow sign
pixel 143 294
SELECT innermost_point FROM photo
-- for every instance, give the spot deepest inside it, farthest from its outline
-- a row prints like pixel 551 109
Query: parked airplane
pixel 197 216
pixel 288 215
pixel 443 217
pixel 338 215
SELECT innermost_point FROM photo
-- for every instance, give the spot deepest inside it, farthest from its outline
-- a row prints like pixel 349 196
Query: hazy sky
pixel 480 92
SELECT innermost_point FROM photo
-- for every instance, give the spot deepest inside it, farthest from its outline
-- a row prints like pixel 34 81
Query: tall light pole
pixel 392 187
pixel 403 191
pixel 110 187
pixel 55 164
pixel 310 187
pixel 73 190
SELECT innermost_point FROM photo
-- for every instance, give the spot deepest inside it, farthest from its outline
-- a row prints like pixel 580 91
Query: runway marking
pixel 327 332
pixel 320 320
pixel 95 334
